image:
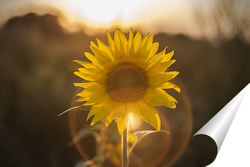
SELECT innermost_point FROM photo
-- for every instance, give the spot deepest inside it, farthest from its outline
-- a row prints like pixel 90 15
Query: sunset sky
pixel 174 16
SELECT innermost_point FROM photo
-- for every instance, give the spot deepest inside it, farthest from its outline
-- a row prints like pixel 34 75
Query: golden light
pixel 133 123
pixel 93 15
pixel 99 11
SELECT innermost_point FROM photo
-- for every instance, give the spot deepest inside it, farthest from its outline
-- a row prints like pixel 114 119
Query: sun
pixel 99 11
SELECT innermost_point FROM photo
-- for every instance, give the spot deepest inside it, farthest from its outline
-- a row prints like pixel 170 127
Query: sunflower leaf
pixel 142 134
pixel 85 132
pixel 82 107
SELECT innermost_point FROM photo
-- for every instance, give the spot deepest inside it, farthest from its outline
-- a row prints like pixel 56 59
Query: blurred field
pixel 36 84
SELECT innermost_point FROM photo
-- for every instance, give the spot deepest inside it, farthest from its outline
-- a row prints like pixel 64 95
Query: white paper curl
pixel 224 123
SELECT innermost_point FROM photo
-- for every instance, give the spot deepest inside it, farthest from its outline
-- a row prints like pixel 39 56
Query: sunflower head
pixel 126 76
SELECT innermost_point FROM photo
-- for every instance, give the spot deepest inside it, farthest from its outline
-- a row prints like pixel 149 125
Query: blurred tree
pixel 225 20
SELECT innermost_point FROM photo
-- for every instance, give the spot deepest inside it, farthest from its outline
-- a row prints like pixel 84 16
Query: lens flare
pixel 133 123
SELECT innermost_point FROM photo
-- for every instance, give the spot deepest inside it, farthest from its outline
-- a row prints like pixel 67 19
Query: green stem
pixel 124 138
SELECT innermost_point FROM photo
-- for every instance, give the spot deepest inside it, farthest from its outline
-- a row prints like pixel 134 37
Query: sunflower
pixel 127 76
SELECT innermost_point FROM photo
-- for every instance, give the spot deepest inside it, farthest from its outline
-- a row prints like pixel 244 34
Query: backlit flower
pixel 127 76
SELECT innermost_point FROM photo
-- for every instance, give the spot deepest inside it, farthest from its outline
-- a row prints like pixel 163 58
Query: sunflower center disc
pixel 126 83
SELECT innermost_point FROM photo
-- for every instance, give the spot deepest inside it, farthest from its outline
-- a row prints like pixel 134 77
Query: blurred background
pixel 40 39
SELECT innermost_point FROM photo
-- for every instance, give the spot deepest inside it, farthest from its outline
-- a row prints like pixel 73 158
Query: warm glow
pixel 149 15
pixel 125 12
pixel 133 123
pixel 99 11
pixel 131 118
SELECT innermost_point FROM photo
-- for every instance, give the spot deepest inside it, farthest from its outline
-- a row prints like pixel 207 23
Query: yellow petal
pixel 150 64
pixel 109 112
pixel 160 79
pixel 100 111
pixel 91 74
pixel 92 71
pixel 97 98
pixel 105 49
pixel 159 55
pixel 111 48
pixel 96 87
pixel 119 47
pixel 137 41
pixel 131 55
pixel 122 124
pixel 110 41
pixel 84 93
pixel 131 38
pixel 138 57
pixel 97 118
pixel 122 38
pixel 94 110
pixel 154 49
pixel 83 85
pixel 109 118
pixel 122 54
pixel 102 46
pixel 142 106
pixel 117 39
pixel 159 68
pixel 85 64
pixel 158 120
pixel 154 59
pixel 169 85
pixel 93 44
pixel 84 76
pixel 168 56
pixel 144 53
pixel 101 56
pixel 158 97
pixel 144 39
pixel 98 95
pixel 149 114
pixel 82 99
pixel 167 95
pixel 150 42
pixel 93 59
pixel 119 109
